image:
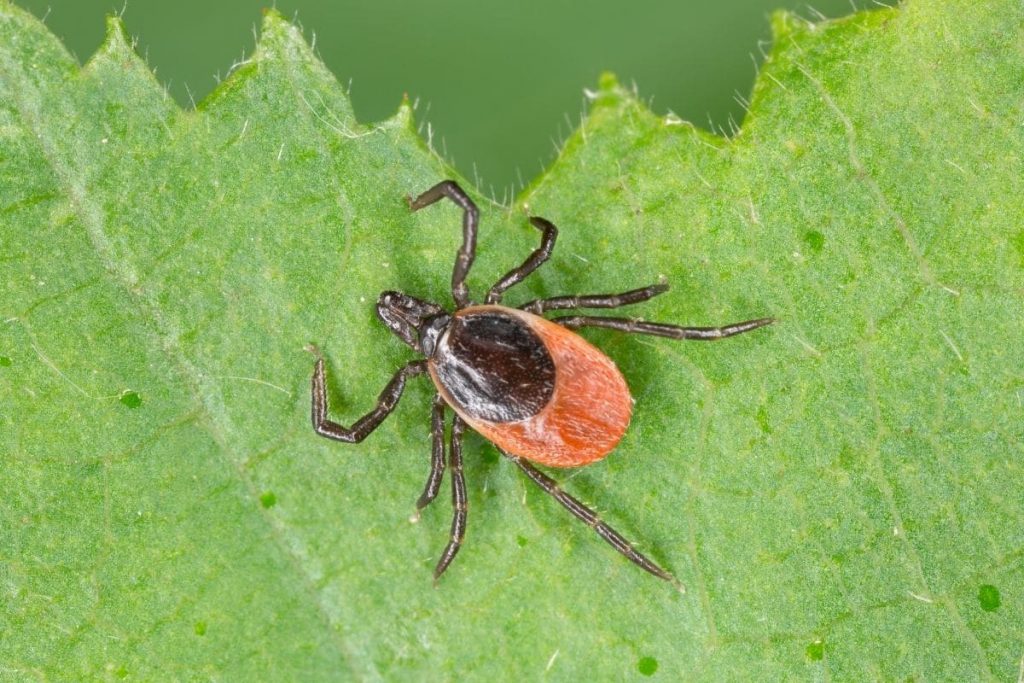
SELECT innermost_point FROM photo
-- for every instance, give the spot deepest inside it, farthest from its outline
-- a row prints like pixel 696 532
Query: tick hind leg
pixel 470 220
pixel 591 519
pixel 534 261
pixel 362 427
pixel 560 303
pixel 459 504
pixel 437 463
pixel 575 322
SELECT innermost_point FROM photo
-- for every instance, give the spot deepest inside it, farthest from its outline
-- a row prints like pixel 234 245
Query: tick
pixel 532 386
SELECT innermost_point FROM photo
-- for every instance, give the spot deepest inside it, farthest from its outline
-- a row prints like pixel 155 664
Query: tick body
pixel 532 386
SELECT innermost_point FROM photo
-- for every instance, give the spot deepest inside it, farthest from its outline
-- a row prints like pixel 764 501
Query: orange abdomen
pixel 587 412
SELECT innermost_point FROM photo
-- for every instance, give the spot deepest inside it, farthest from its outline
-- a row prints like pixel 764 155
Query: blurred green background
pixel 500 82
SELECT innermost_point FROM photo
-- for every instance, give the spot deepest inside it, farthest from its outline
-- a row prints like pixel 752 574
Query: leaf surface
pixel 840 493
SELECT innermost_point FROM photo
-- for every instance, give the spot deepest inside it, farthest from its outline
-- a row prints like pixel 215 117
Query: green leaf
pixel 841 493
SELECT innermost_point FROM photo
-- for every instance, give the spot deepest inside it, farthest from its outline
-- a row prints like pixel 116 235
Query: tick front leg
pixel 558 303
pixel 459 502
pixel 534 261
pixel 436 455
pixel 362 427
pixel 591 519
pixel 470 220
pixel 575 322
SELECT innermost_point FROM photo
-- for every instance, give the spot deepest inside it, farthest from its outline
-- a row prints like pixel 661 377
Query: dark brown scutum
pixel 494 367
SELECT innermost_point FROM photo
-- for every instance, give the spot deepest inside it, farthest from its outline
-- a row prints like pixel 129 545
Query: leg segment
pixel 575 322
pixel 470 220
pixel 590 518
pixel 458 499
pixel 362 427
pixel 436 455
pixel 532 263
pixel 559 303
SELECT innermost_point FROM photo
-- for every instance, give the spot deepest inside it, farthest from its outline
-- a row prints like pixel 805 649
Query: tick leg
pixel 436 455
pixel 458 499
pixel 558 303
pixel 362 427
pixel 534 261
pixel 591 519
pixel 470 220
pixel 575 322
